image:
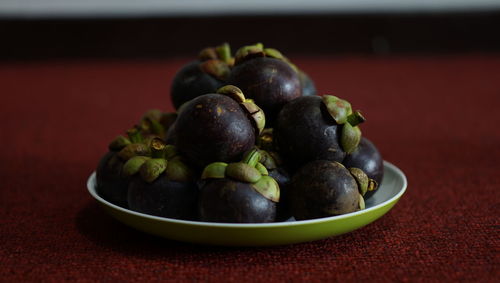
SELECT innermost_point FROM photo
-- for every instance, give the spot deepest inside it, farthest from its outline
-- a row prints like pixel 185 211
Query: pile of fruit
pixel 251 142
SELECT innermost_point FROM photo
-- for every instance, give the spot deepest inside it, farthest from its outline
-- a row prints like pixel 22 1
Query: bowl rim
pixel 92 190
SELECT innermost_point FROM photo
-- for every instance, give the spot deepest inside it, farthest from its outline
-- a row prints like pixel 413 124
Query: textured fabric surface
pixel 434 117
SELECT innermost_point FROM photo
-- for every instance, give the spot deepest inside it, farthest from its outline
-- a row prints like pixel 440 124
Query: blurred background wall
pixel 31 29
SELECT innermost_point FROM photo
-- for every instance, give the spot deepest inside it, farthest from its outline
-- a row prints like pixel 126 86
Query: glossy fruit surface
pixel 269 81
pixel 367 158
pixel 323 188
pixel 304 131
pixel 213 127
pixel 231 201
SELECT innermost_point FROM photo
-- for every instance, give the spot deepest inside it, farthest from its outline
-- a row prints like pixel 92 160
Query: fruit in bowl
pixel 240 192
pixel 251 142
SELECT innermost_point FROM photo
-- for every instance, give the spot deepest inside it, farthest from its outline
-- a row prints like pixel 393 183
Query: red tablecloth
pixel 436 117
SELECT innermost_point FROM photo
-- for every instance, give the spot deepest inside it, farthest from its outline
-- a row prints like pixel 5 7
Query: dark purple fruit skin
pixel 170 135
pixel 308 87
pixel 304 131
pixel 229 201
pixel 283 179
pixel 321 189
pixel 213 127
pixel 111 185
pixel 163 198
pixel 190 82
pixel 271 83
pixel 367 158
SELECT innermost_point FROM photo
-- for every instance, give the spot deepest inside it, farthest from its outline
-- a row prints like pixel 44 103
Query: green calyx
pixel 164 159
pixel 128 147
pixel 134 135
pixel 119 143
pixel 224 53
pixel 365 184
pixel 268 187
pixel 152 169
pixel 257 50
pixel 338 108
pixel 262 169
pixel 350 138
pixel 217 61
pixel 248 52
pixel 134 149
pixel 221 53
pixel 132 166
pixel 249 170
pixel 341 111
pixel 256 113
pixel 215 170
pixel 248 105
pixel 361 179
pixel 233 92
pixel 216 68
pixel 243 172
pixel 151 126
pixel 252 157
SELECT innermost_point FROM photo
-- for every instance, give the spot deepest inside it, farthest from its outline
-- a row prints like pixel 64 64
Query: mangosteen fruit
pixel 215 127
pixel 112 185
pixel 265 76
pixel 367 158
pixel 316 128
pixel 202 76
pixel 240 192
pixel 161 185
pixel 324 188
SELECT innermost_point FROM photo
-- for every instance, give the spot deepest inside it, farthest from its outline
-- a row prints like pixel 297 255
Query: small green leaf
pixel 233 92
pixel 214 170
pixel 243 172
pixel 262 169
pixel 361 179
pixel 152 169
pixel 338 108
pixel 134 149
pixel 133 165
pixel 350 137
pixel 268 188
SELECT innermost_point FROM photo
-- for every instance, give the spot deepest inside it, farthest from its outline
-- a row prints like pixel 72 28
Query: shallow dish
pixel 266 234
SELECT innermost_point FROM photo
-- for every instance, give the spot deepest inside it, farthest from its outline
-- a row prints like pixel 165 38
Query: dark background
pixel 372 33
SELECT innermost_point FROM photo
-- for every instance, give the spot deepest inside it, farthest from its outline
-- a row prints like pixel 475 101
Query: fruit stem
pixel 224 52
pixel 355 118
pixel 157 148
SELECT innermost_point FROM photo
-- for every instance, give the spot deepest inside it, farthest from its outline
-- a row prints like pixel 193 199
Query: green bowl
pixel 263 234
